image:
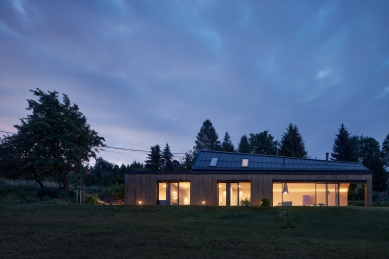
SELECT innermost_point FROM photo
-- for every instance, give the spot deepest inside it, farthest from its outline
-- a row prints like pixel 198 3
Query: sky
pixel 151 72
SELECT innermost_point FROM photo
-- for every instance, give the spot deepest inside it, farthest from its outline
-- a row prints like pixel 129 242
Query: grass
pixel 88 231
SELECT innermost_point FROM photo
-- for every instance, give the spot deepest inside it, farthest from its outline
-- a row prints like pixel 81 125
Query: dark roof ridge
pixel 288 157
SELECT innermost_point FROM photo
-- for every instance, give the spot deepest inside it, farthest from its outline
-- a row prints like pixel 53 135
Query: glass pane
pixel 184 193
pixel 162 191
pixel 244 191
pixel 245 162
pixel 299 194
pixel 213 161
pixel 222 194
pixel 234 194
pixel 321 194
pixel 173 193
pixel 332 194
pixel 277 194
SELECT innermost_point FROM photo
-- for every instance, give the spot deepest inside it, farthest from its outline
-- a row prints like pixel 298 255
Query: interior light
pixel 285 189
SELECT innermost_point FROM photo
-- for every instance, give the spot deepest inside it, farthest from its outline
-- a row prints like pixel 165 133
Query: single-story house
pixel 225 179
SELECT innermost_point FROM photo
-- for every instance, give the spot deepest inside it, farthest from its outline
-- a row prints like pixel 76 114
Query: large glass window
pixel 305 194
pixel 232 193
pixel 174 193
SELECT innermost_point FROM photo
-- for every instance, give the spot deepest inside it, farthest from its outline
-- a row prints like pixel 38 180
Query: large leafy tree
pixel 370 156
pixel 345 146
pixel 227 143
pixel 244 145
pixel 155 160
pixel 292 143
pixel 167 159
pixel 207 138
pixel 55 140
pixel 263 143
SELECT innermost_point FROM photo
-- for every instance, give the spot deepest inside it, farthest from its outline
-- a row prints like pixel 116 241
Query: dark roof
pixel 264 163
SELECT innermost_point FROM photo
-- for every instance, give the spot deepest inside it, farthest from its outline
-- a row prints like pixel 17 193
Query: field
pixel 95 231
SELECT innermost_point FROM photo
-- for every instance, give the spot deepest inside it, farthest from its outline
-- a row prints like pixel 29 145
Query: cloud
pixel 384 93
pixel 323 74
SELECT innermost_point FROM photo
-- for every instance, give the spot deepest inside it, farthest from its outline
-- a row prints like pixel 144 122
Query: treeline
pixel 56 142
pixel 346 147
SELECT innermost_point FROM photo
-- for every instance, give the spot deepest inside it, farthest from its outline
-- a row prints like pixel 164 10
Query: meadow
pixel 96 231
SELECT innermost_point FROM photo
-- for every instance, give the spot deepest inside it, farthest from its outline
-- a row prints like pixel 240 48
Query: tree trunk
pixel 65 181
pixel 39 181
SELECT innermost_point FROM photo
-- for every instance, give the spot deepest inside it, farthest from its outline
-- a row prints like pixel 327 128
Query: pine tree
pixel 155 161
pixel 244 145
pixel 263 143
pixel 292 143
pixel 188 160
pixel 344 148
pixel 227 144
pixel 385 150
pixel 167 159
pixel 207 138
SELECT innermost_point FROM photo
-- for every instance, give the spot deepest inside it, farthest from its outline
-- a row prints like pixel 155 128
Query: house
pixel 225 179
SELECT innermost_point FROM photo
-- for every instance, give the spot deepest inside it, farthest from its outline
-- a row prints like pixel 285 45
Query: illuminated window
pixel 213 161
pixel 245 162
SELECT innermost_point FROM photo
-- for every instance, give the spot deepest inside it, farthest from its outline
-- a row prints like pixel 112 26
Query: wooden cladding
pixel 204 187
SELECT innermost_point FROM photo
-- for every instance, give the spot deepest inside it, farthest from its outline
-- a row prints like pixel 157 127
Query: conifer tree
pixel 263 143
pixel 292 143
pixel 167 159
pixel 370 155
pixel 344 148
pixel 207 138
pixel 385 150
pixel 227 144
pixel 244 145
pixel 154 161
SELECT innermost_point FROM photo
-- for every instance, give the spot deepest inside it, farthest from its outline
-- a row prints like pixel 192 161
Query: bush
pixel 50 192
pixel 117 190
pixel 246 202
pixel 265 202
pixel 92 199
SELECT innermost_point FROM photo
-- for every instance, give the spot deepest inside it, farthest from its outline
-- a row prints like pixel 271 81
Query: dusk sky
pixel 151 72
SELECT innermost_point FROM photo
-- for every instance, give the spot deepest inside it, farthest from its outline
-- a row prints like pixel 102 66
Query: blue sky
pixel 150 72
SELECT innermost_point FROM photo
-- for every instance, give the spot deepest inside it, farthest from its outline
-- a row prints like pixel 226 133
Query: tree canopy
pixel 55 140
pixel 292 143
pixel 167 159
pixel 344 148
pixel 207 138
pixel 262 143
pixel 227 144
pixel 154 161
pixel 244 145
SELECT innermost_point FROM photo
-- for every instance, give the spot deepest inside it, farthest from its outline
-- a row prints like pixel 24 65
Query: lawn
pixel 93 231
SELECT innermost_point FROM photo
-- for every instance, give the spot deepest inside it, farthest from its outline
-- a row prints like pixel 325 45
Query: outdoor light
pixel 203 202
pixel 285 189
pixel 140 202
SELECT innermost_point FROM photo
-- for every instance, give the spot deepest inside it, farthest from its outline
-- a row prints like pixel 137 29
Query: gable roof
pixel 228 161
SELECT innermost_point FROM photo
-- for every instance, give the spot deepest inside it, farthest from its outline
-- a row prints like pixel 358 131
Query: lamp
pixel 285 189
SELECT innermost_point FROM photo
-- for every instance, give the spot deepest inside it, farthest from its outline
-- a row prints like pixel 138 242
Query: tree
pixel 385 150
pixel 262 143
pixel 292 143
pixel 370 156
pixel 227 144
pixel 155 161
pixel 55 140
pixel 345 146
pixel 188 160
pixel 244 145
pixel 207 138
pixel 167 159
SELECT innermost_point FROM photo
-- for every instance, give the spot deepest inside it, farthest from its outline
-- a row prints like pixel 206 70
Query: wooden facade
pixel 143 186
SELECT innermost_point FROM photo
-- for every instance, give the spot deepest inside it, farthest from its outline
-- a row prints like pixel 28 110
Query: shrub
pixel 245 202
pixel 92 199
pixel 117 190
pixel 265 202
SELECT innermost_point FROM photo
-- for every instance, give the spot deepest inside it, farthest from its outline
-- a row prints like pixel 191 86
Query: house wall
pixel 204 187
